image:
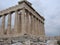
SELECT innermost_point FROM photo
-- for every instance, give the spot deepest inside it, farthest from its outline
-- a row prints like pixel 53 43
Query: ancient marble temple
pixel 21 19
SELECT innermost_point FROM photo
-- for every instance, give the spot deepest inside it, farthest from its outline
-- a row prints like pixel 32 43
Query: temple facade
pixel 23 25
pixel 21 19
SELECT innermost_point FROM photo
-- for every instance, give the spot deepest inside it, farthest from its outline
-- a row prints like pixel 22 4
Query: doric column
pixel 41 29
pixel 9 24
pixel 16 21
pixel 19 23
pixel 29 24
pixel 43 32
pixel 3 24
pixel 33 25
pixel 23 21
pixel 38 28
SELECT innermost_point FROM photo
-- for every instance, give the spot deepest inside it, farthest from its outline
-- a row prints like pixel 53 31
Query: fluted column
pixel 9 24
pixel 29 23
pixel 3 24
pixel 38 28
pixel 23 21
pixel 43 32
pixel 19 23
pixel 41 29
pixel 16 21
pixel 33 25
pixel 40 24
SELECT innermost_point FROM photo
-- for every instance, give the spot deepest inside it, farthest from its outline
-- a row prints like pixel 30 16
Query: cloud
pixel 53 22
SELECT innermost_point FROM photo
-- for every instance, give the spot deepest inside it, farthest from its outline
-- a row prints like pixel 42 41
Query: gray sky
pixel 50 9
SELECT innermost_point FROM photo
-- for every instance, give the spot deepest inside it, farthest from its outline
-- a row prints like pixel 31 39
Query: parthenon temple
pixel 21 19
pixel 22 25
